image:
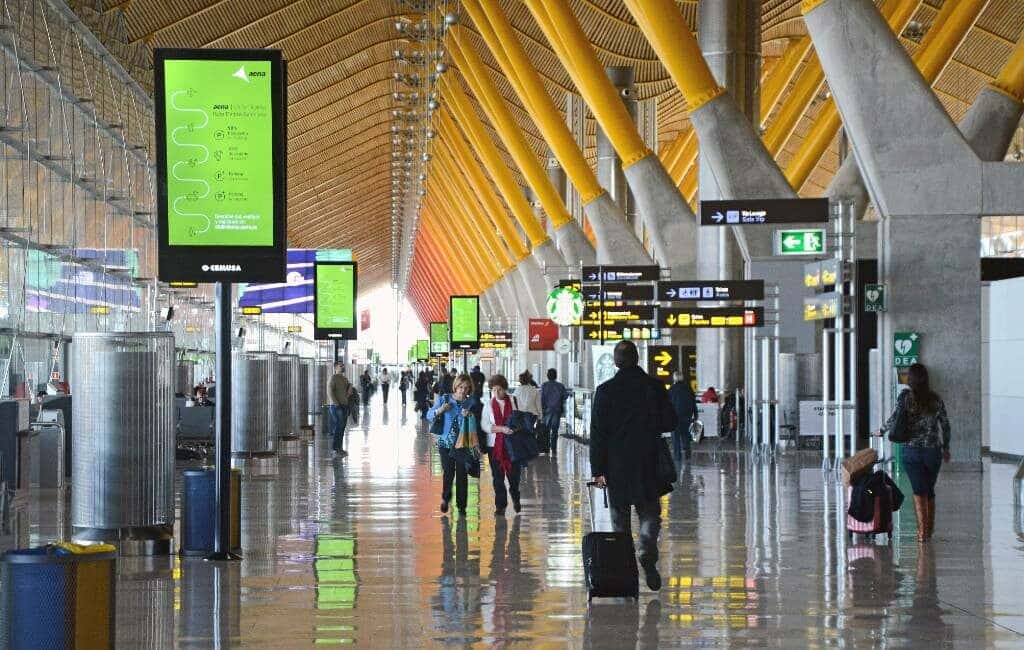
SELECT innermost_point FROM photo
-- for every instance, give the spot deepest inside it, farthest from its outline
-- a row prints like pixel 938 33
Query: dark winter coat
pixel 630 412
pixel 866 489
pixel 685 404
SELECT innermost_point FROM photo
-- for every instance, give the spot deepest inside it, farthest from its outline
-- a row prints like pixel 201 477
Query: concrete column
pixel 730 38
pixel 609 165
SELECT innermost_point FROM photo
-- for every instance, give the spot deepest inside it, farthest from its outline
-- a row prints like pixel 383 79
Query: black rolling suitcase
pixel 609 558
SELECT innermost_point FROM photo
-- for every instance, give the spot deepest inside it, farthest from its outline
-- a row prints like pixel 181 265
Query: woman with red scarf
pixel 495 414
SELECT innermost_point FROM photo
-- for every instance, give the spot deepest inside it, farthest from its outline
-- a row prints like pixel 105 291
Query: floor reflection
pixel 354 551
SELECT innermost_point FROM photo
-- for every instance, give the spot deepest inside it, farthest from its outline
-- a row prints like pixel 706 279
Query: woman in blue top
pixel 454 408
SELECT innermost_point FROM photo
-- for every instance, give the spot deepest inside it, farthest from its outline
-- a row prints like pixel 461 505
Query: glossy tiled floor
pixel 355 552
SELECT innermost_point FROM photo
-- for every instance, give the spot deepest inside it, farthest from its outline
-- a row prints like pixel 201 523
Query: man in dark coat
pixel 685 404
pixel 630 412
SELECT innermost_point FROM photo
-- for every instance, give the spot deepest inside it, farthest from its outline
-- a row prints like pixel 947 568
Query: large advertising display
pixel 220 136
pixel 439 338
pixel 422 349
pixel 334 301
pixel 464 317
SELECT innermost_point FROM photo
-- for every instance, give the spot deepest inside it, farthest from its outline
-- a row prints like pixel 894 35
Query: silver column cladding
pixel 252 413
pixel 123 477
pixel 185 377
pixel 284 395
pixel 301 401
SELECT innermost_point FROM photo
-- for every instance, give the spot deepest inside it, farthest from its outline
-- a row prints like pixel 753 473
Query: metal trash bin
pixel 252 389
pixel 50 427
pixel 199 511
pixel 319 376
pixel 59 596
pixel 284 396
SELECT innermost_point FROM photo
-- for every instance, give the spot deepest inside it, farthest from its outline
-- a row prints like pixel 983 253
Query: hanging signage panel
pixel 464 317
pixel 662 361
pixel 495 340
pixel 621 331
pixel 439 338
pixel 710 317
pixel 673 290
pixel 422 349
pixel 334 300
pixel 822 307
pixel 754 212
pixel 608 273
pixel 618 291
pixel 220 140
pixel 543 334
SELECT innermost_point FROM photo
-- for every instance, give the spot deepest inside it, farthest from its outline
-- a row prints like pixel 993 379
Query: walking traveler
pixel 528 394
pixel 385 384
pixel 403 384
pixel 478 382
pixel 685 404
pixel 366 385
pixel 495 415
pixel 421 394
pixel 453 408
pixel 629 414
pixel 340 393
pixel 919 421
pixel 552 401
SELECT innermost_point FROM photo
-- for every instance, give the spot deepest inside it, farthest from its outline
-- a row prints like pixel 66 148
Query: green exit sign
pixel 800 242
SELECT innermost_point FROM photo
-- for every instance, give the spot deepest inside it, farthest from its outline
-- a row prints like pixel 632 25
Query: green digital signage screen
pixel 220 164
pixel 334 300
pixel 464 316
pixel 422 349
pixel 439 338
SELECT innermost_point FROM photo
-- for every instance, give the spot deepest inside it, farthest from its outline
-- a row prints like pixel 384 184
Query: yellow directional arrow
pixel 671 319
pixel 593 335
pixel 663 358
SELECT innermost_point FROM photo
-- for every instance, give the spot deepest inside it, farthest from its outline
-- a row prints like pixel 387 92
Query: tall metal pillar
pixel 730 38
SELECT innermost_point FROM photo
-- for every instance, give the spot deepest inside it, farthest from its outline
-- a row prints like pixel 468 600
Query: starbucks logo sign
pixel 565 305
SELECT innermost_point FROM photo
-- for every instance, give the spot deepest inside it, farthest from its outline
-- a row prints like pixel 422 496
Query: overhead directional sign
pixel 621 273
pixel 713 317
pixel 662 361
pixel 635 314
pixel 619 331
pixel 800 242
pixel 756 212
pixel 822 306
pixel 618 291
pixel 669 290
pixel 495 340
pixel 825 273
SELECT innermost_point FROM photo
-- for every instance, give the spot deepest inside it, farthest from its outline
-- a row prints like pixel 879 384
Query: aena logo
pixel 240 74
pixel 221 268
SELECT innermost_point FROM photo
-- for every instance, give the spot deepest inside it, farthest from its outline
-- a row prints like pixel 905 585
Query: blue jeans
pixel 680 444
pixel 922 466
pixel 553 421
pixel 339 418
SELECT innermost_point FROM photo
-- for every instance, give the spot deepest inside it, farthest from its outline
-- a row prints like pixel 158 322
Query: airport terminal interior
pixel 752 272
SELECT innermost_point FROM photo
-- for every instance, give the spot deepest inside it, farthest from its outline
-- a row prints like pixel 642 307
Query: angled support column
pixel 930 187
pixel 670 223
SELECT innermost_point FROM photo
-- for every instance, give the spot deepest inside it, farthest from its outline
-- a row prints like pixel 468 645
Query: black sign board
pixel 756 212
pixel 574 284
pixel 626 315
pixel 670 290
pixel 621 273
pixel 620 331
pixel 662 361
pixel 220 164
pixel 495 340
pixel 710 317
pixel 618 291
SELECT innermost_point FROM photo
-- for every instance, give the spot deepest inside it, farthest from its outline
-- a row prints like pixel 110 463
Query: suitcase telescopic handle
pixel 603 489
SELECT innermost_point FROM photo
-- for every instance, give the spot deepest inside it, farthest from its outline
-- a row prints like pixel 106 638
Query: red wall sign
pixel 364 320
pixel 543 334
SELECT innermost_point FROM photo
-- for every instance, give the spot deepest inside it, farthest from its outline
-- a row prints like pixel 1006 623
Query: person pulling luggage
pixel 630 411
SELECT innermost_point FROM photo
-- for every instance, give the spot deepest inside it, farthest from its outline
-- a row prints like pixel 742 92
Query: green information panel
pixel 464 316
pixel 422 349
pixel 220 163
pixel 439 338
pixel 334 300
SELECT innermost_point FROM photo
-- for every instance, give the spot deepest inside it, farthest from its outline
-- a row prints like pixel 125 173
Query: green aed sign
pixel 464 317
pixel 220 164
pixel 334 300
pixel 439 338
pixel 906 349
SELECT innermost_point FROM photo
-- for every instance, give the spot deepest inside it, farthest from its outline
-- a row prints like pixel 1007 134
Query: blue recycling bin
pixel 58 596
pixel 199 511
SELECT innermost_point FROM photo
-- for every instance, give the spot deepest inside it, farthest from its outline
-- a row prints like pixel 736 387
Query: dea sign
pixel 565 305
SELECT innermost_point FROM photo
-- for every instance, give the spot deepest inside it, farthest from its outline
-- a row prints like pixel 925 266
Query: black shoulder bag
pixel 900 432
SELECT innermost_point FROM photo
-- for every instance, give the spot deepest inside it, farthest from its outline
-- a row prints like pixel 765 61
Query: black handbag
pixel 667 474
pixel 521 447
pixel 900 432
pixel 521 421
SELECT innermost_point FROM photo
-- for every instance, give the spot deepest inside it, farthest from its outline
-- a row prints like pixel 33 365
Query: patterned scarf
pixel 501 415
